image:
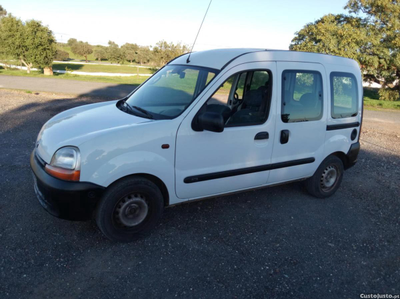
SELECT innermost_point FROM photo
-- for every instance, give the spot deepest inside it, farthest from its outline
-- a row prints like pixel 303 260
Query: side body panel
pixel 339 140
pixel 205 152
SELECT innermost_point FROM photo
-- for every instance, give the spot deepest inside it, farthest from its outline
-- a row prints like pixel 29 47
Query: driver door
pixel 209 163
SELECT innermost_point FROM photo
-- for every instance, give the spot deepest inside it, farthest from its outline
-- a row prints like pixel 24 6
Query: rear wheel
pixel 129 209
pixel 327 179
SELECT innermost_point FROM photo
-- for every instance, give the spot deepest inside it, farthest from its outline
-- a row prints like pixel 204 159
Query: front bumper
pixel 63 199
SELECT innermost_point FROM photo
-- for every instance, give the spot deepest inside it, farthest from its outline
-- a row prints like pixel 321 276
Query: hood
pixel 77 125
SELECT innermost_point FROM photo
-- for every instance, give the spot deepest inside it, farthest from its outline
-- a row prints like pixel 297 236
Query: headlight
pixel 65 164
pixel 65 157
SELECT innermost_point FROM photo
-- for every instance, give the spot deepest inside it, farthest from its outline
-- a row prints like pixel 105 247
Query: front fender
pixel 129 163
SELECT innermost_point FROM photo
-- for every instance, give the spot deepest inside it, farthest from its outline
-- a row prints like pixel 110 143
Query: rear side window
pixel 301 96
pixel 344 95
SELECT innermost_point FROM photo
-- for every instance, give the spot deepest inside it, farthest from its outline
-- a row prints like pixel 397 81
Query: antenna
pixel 188 59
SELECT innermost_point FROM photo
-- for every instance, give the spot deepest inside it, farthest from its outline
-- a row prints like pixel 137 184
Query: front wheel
pixel 327 179
pixel 129 209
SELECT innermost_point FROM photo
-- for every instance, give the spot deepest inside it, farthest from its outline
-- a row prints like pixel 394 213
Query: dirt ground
pixel 276 242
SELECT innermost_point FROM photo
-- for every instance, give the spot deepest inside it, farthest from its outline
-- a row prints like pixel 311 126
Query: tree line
pixel 158 55
pixel 369 34
pixel 34 45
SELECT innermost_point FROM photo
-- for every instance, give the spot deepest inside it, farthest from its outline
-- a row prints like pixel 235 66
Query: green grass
pixel 102 68
pixel 372 101
pixel 115 79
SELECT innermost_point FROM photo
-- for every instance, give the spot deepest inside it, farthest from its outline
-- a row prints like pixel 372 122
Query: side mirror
pixel 211 121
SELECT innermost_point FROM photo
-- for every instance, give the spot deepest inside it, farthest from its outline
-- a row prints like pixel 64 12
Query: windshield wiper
pixel 134 110
pixel 144 111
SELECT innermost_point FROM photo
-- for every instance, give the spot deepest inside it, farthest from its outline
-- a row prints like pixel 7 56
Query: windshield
pixel 170 91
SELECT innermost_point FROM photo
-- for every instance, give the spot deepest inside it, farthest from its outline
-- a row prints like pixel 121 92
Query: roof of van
pixel 219 58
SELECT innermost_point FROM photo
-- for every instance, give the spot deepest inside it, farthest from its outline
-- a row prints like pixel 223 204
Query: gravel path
pixel 382 129
pixel 273 243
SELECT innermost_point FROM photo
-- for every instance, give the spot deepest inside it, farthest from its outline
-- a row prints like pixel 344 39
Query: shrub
pixel 61 55
pixel 387 94
pixel 371 93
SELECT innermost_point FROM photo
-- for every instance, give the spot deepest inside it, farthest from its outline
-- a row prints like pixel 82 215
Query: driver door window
pixel 243 99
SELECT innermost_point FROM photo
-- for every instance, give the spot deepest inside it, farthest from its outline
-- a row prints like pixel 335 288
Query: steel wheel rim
pixel 329 178
pixel 131 210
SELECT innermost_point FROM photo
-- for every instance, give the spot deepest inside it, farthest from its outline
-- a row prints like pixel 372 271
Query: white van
pixel 216 122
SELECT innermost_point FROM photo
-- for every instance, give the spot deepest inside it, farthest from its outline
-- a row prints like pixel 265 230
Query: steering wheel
pixel 237 101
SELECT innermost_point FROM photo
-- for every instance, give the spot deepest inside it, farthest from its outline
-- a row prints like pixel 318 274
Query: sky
pixel 269 24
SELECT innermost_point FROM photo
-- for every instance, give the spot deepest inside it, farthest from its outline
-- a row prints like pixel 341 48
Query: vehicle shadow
pixel 110 92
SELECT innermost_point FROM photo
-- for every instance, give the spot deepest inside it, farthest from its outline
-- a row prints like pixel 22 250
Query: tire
pixel 129 209
pixel 327 179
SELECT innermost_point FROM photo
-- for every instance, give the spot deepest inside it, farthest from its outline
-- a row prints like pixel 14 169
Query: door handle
pixel 284 136
pixel 261 135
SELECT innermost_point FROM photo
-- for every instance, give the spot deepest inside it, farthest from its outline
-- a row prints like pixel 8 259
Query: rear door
pixel 301 121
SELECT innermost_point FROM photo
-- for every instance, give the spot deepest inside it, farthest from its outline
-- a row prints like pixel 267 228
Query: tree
pixel 3 12
pixel 130 51
pixel 383 20
pixel 41 46
pixel 100 53
pixel 12 38
pixel 31 43
pixel 144 55
pixel 164 52
pixel 372 38
pixel 114 53
pixel 332 34
pixel 3 55
pixel 82 49
pixel 72 41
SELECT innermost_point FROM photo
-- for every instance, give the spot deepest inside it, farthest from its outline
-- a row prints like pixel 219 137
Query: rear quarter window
pixel 344 95
pixel 302 98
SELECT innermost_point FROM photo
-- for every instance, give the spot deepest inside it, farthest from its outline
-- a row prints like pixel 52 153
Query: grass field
pixel 370 103
pixel 371 100
pixel 102 68
pixel 115 79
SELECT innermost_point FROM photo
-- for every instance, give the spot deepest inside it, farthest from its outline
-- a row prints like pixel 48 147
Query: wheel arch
pixel 159 183
pixel 342 156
